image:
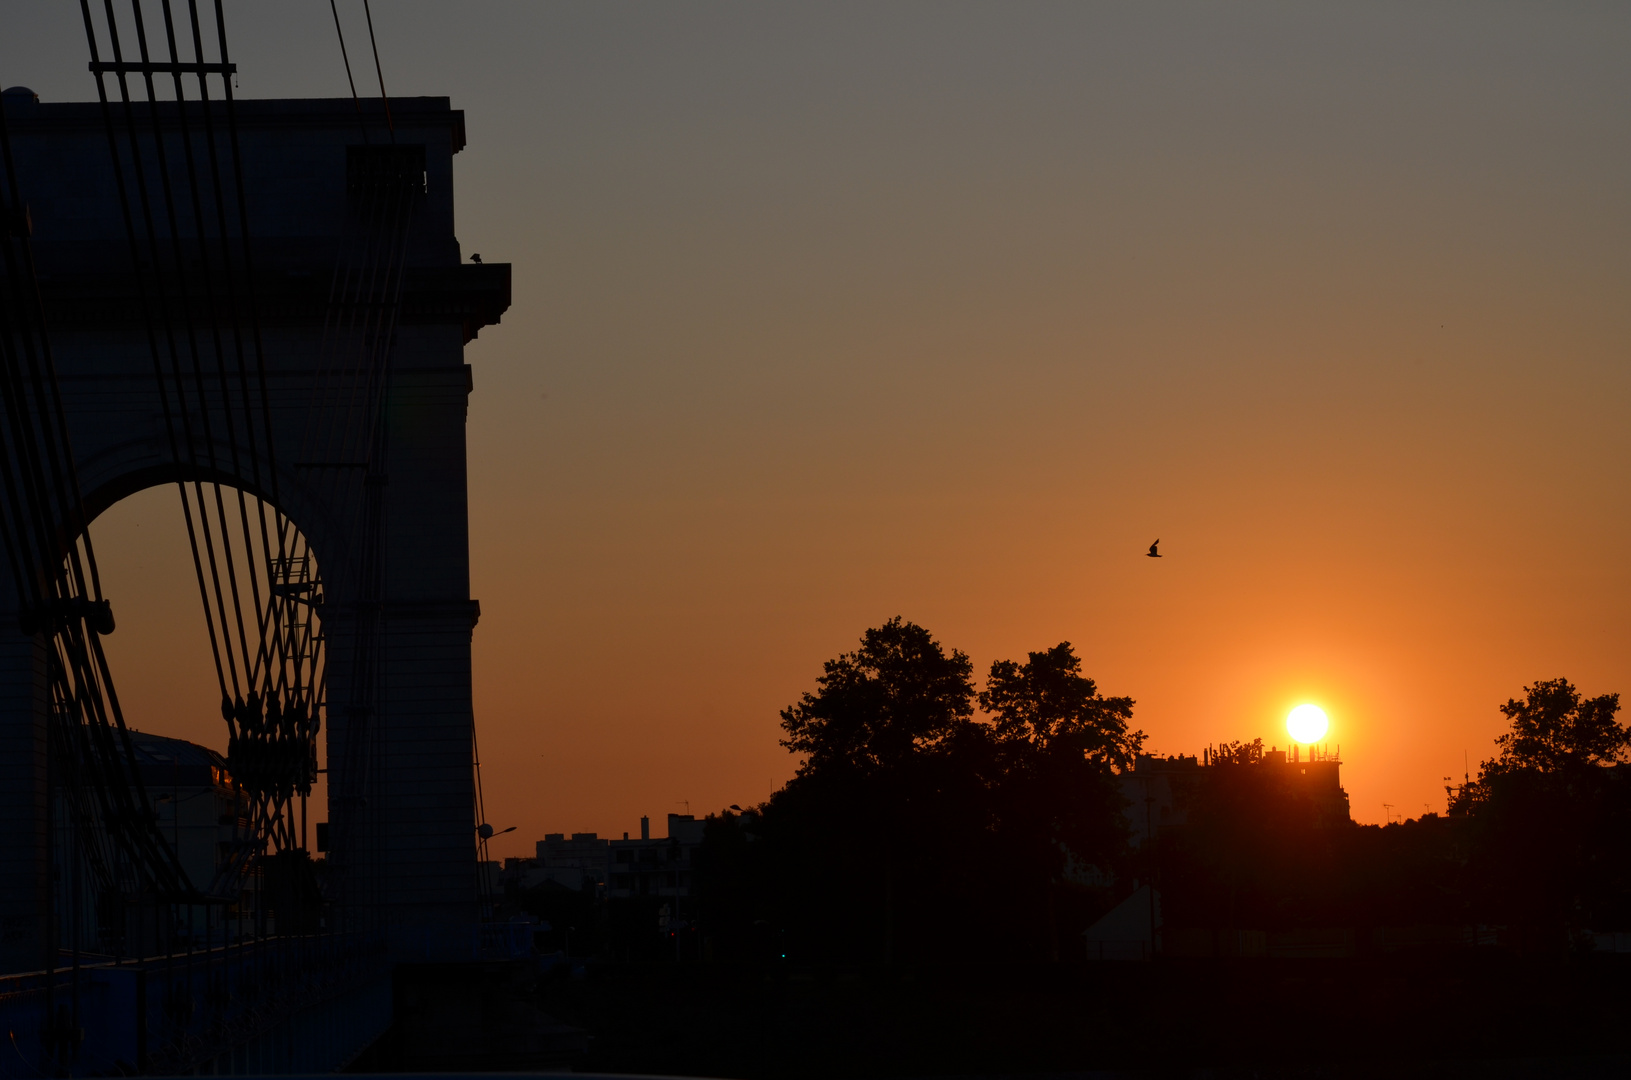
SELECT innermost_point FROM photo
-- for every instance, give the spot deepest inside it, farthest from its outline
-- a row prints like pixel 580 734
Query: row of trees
pixel 929 816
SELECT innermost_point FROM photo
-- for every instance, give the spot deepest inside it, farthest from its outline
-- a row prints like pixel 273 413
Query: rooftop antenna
pixel 1388 809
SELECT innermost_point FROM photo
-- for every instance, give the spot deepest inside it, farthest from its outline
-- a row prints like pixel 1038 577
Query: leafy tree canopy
pixel 907 801
pixel 1557 737
pixel 1555 730
pixel 1050 703
pixel 1548 839
pixel 896 696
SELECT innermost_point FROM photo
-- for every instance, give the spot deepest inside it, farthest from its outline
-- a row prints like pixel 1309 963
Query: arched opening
pixel 215 671
pixel 160 652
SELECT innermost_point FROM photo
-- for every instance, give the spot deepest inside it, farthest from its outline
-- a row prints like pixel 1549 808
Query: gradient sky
pixel 830 313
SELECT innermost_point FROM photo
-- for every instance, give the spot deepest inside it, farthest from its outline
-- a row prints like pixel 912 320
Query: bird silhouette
pixel 475 258
pixel 1154 554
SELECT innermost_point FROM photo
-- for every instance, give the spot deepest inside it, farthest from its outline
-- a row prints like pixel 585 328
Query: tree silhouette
pixel 912 820
pixel 896 696
pixel 1554 732
pixel 1550 818
pixel 1237 753
pixel 1057 805
pixel 1049 702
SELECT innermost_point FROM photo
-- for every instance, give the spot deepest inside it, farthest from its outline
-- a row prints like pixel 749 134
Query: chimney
pixel 645 827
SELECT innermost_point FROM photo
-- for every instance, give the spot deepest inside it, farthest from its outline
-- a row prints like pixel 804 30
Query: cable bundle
pixel 179 174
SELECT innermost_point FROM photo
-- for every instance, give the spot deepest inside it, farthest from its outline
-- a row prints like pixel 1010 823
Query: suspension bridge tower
pixel 278 306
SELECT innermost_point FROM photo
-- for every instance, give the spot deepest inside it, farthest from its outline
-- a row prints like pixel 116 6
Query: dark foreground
pixel 1446 1016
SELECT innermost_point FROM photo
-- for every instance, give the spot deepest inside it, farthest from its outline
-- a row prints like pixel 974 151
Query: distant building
pixel 657 867
pixel 648 866
pixel 1156 788
pixel 1160 792
pixel 574 864
pixel 1151 792
pixel 577 863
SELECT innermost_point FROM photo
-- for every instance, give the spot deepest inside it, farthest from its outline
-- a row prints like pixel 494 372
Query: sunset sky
pixel 830 313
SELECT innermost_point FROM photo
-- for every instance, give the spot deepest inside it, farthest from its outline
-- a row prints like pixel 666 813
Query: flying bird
pixel 1154 554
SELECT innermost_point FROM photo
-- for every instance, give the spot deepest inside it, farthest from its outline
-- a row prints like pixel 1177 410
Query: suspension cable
pixel 339 33
pixel 67 607
pixel 383 96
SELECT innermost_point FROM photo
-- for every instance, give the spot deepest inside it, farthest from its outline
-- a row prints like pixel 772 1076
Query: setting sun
pixel 1307 723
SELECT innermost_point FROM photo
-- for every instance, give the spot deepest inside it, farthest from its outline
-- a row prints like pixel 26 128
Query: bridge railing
pixel 275 1005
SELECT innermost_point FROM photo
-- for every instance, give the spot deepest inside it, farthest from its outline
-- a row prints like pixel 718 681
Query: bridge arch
pixel 410 858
